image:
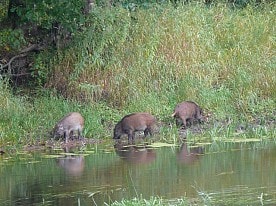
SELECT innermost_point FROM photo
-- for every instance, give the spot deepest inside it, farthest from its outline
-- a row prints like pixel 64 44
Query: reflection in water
pixel 226 172
pixel 71 147
pixel 187 155
pixel 72 164
pixel 135 154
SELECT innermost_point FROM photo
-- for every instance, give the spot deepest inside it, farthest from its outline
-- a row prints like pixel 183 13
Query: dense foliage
pixel 147 58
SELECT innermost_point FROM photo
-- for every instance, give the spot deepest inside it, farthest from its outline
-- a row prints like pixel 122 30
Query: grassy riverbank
pixel 149 60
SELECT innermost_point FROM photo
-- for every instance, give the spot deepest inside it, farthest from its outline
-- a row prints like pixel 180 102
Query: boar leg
pixel 79 134
pixel 130 135
pixel 178 122
pixel 190 121
pixel 184 122
pixel 148 131
pixel 66 136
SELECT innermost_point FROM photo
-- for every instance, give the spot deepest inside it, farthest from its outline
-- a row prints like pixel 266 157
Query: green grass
pixel 150 60
pixel 26 120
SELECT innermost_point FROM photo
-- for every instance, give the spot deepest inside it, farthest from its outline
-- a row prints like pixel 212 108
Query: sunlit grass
pixel 218 57
pixel 221 58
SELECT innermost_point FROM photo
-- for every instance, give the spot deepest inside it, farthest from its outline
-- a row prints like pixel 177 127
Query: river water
pixel 215 173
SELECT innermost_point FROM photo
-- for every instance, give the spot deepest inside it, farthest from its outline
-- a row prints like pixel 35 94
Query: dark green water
pixel 220 173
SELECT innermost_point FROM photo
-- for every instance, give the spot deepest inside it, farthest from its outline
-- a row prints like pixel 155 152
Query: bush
pixel 11 40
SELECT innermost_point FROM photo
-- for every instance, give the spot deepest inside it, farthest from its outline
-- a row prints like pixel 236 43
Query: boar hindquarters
pixel 134 122
pixel 187 112
pixel 68 125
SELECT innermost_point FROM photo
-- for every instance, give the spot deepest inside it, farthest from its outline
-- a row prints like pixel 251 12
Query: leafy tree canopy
pixel 44 13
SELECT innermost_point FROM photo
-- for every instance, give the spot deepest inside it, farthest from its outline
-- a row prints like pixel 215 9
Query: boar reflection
pixel 73 165
pixel 187 155
pixel 135 154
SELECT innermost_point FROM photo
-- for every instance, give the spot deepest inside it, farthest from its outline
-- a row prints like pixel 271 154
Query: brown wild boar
pixel 187 111
pixel 68 125
pixel 134 122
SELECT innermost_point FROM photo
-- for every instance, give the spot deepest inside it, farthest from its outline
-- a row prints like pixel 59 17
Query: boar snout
pixel 117 134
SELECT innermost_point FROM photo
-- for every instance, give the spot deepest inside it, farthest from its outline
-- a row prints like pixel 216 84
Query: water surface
pixel 219 173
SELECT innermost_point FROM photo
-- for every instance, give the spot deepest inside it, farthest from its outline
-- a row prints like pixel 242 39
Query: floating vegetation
pixel 72 154
pixel 162 144
pixel 203 143
pixel 53 156
pixel 34 162
pixel 243 140
pixel 89 152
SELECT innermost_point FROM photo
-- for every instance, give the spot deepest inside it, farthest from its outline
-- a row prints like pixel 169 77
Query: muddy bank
pixel 222 126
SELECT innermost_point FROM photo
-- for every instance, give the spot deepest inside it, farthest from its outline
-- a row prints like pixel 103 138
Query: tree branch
pixel 23 53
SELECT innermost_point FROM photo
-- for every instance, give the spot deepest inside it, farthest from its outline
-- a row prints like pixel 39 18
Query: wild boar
pixel 134 122
pixel 187 111
pixel 69 124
